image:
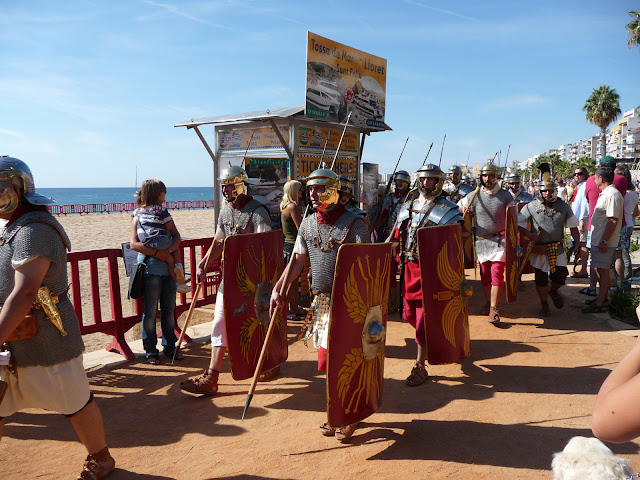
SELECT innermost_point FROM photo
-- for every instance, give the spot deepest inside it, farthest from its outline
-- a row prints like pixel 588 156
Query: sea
pixel 84 196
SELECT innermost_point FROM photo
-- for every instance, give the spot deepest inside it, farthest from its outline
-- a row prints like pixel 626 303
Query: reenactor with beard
pixel 489 207
pixel 548 216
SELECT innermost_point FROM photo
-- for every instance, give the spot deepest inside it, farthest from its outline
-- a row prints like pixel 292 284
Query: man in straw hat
pixel 41 360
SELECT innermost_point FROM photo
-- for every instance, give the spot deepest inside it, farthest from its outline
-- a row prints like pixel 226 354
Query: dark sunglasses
pixel 577 173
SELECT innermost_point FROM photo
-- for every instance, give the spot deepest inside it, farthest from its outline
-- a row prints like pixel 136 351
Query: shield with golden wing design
pixel 357 332
pixel 510 254
pixel 524 244
pixel 252 265
pixel 468 245
pixel 445 292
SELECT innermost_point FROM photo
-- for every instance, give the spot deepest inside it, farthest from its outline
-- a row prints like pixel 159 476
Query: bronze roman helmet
pixel 236 176
pixel 489 168
pixel 330 197
pixel 12 171
pixel 430 170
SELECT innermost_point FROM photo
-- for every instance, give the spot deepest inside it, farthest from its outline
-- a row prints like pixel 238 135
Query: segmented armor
pixel 243 220
pixel 38 234
pixel 523 197
pixel 456 192
pixel 323 241
pixel 439 211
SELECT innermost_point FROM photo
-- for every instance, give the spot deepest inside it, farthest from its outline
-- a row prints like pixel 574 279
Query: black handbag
pixel 136 282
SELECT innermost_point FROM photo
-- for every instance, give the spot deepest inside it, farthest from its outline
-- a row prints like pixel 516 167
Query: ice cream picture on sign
pixel 343 80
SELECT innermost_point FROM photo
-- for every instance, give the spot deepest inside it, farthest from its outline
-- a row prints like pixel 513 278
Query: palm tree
pixel 633 28
pixel 602 107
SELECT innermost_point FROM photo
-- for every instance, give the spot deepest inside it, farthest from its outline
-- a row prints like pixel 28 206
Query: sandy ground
pixel 523 393
pixel 95 232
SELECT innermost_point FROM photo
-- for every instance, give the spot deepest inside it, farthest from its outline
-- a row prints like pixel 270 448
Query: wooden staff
pixel 194 299
pixel 272 322
pixel 526 257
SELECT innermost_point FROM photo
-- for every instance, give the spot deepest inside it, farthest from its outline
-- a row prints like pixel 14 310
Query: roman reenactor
pixel 240 214
pixel 454 187
pixel 320 236
pixel 548 216
pixel 431 208
pixel 40 336
pixel 489 208
pixel 513 183
pixel 390 206
pixel 347 197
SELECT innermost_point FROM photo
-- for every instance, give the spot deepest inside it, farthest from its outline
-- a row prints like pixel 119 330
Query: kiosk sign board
pixel 263 138
pixel 343 166
pixel 341 79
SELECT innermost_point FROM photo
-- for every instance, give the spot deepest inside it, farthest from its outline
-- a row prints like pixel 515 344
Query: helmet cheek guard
pixel 8 196
pixel 330 197
pixel 236 176
pixel 11 171
pixel 430 171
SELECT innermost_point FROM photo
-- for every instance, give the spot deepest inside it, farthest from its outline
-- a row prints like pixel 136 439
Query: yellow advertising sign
pixel 313 139
pixel 263 137
pixel 343 166
pixel 343 80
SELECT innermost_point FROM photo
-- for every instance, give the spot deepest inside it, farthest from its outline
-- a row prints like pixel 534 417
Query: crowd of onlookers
pixel 606 205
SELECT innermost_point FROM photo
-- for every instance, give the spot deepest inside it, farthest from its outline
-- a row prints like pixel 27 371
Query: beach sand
pixel 100 231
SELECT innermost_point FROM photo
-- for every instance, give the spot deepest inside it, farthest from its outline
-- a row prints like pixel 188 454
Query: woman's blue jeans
pixel 158 288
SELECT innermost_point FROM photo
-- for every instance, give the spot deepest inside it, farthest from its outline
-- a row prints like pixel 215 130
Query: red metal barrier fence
pixel 124 207
pixel 118 323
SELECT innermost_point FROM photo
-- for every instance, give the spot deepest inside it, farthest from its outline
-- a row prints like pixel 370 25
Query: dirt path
pixel 501 414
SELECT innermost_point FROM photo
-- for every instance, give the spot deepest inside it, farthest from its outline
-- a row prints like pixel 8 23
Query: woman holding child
pixel 156 239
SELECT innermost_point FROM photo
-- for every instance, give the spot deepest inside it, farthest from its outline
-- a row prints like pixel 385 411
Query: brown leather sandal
pixel 207 384
pixel 327 430
pixel 344 434
pixel 418 375
pixel 97 466
pixel 494 316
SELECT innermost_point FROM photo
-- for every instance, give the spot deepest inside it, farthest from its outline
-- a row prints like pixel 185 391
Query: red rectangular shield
pixel 444 293
pixel 510 254
pixel 357 331
pixel 252 265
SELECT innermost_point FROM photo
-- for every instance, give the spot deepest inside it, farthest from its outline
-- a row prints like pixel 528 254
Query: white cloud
pixel 11 133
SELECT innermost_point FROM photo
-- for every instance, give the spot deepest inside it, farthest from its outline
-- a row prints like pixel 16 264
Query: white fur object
pixel 588 459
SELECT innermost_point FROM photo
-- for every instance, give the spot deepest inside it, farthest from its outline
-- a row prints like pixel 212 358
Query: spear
pixel 282 288
pixel 247 150
pixel 441 149
pixel 386 192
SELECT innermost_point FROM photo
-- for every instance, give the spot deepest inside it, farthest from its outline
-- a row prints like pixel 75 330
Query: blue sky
pixel 89 90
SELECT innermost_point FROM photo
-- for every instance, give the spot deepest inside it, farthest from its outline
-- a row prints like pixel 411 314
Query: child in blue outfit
pixel 153 227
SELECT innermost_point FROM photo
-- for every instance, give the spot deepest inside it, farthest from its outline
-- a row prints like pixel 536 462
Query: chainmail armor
pixel 491 212
pixel 250 216
pixel 393 205
pixel 550 220
pixel 348 229
pixel 39 234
